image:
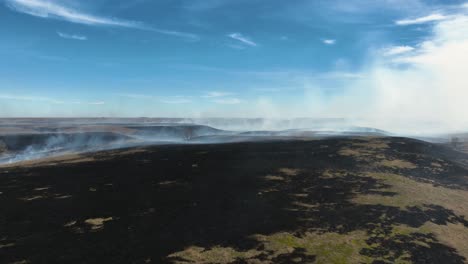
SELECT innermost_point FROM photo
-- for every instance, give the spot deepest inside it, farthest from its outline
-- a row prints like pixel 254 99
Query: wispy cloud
pixel 329 41
pixel 243 39
pixel 185 35
pixel 30 98
pixel 397 50
pixel 273 74
pixel 72 36
pixel 218 97
pixel 216 94
pixel 421 20
pixel 343 75
pixel 227 101
pixel 53 10
pixel 135 96
pixel 49 9
pixel 176 99
pixel 44 99
pixel 222 98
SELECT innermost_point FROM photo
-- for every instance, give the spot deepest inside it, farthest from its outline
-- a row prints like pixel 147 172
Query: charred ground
pixel 335 200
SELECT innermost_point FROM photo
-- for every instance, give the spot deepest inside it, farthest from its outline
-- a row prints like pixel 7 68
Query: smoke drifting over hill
pixel 30 139
pixel 414 90
pixel 425 87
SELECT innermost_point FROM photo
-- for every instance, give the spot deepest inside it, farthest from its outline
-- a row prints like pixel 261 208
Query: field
pixel 334 200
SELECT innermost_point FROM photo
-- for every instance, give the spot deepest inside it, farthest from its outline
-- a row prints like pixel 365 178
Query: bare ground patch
pixel 97 223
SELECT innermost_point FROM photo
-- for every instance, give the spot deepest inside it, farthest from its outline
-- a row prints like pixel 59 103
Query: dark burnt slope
pixel 141 205
pixel 424 155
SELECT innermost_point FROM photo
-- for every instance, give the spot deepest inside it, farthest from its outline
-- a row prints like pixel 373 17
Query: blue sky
pixel 203 57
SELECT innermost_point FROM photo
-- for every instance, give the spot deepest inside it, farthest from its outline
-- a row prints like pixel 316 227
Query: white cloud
pixel 227 101
pixel 329 41
pixel 397 50
pixel 421 20
pixel 243 39
pixel 72 36
pixel 51 9
pixel 215 94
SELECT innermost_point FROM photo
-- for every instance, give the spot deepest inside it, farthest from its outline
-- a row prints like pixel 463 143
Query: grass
pixel 327 247
pixel 346 248
pixel 412 193
pixel 397 164
pixel 415 193
pixel 216 254
pixel 365 149
pixel 454 235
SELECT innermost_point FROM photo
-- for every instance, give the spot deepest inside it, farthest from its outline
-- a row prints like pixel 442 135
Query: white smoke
pixel 423 90
pixel 426 89
pixel 48 145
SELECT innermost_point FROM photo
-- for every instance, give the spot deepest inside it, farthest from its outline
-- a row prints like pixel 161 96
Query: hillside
pixel 334 200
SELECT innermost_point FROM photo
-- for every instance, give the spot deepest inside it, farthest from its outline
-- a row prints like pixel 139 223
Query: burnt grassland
pixel 338 200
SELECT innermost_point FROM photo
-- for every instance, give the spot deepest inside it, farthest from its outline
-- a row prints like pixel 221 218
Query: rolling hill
pixel 332 200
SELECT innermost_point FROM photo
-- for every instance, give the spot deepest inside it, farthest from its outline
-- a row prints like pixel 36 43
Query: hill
pixel 334 200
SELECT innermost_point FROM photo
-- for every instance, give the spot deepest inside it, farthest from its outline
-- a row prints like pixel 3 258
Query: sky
pixel 392 64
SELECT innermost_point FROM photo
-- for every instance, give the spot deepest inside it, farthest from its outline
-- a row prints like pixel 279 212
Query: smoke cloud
pixel 427 87
pixel 423 90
